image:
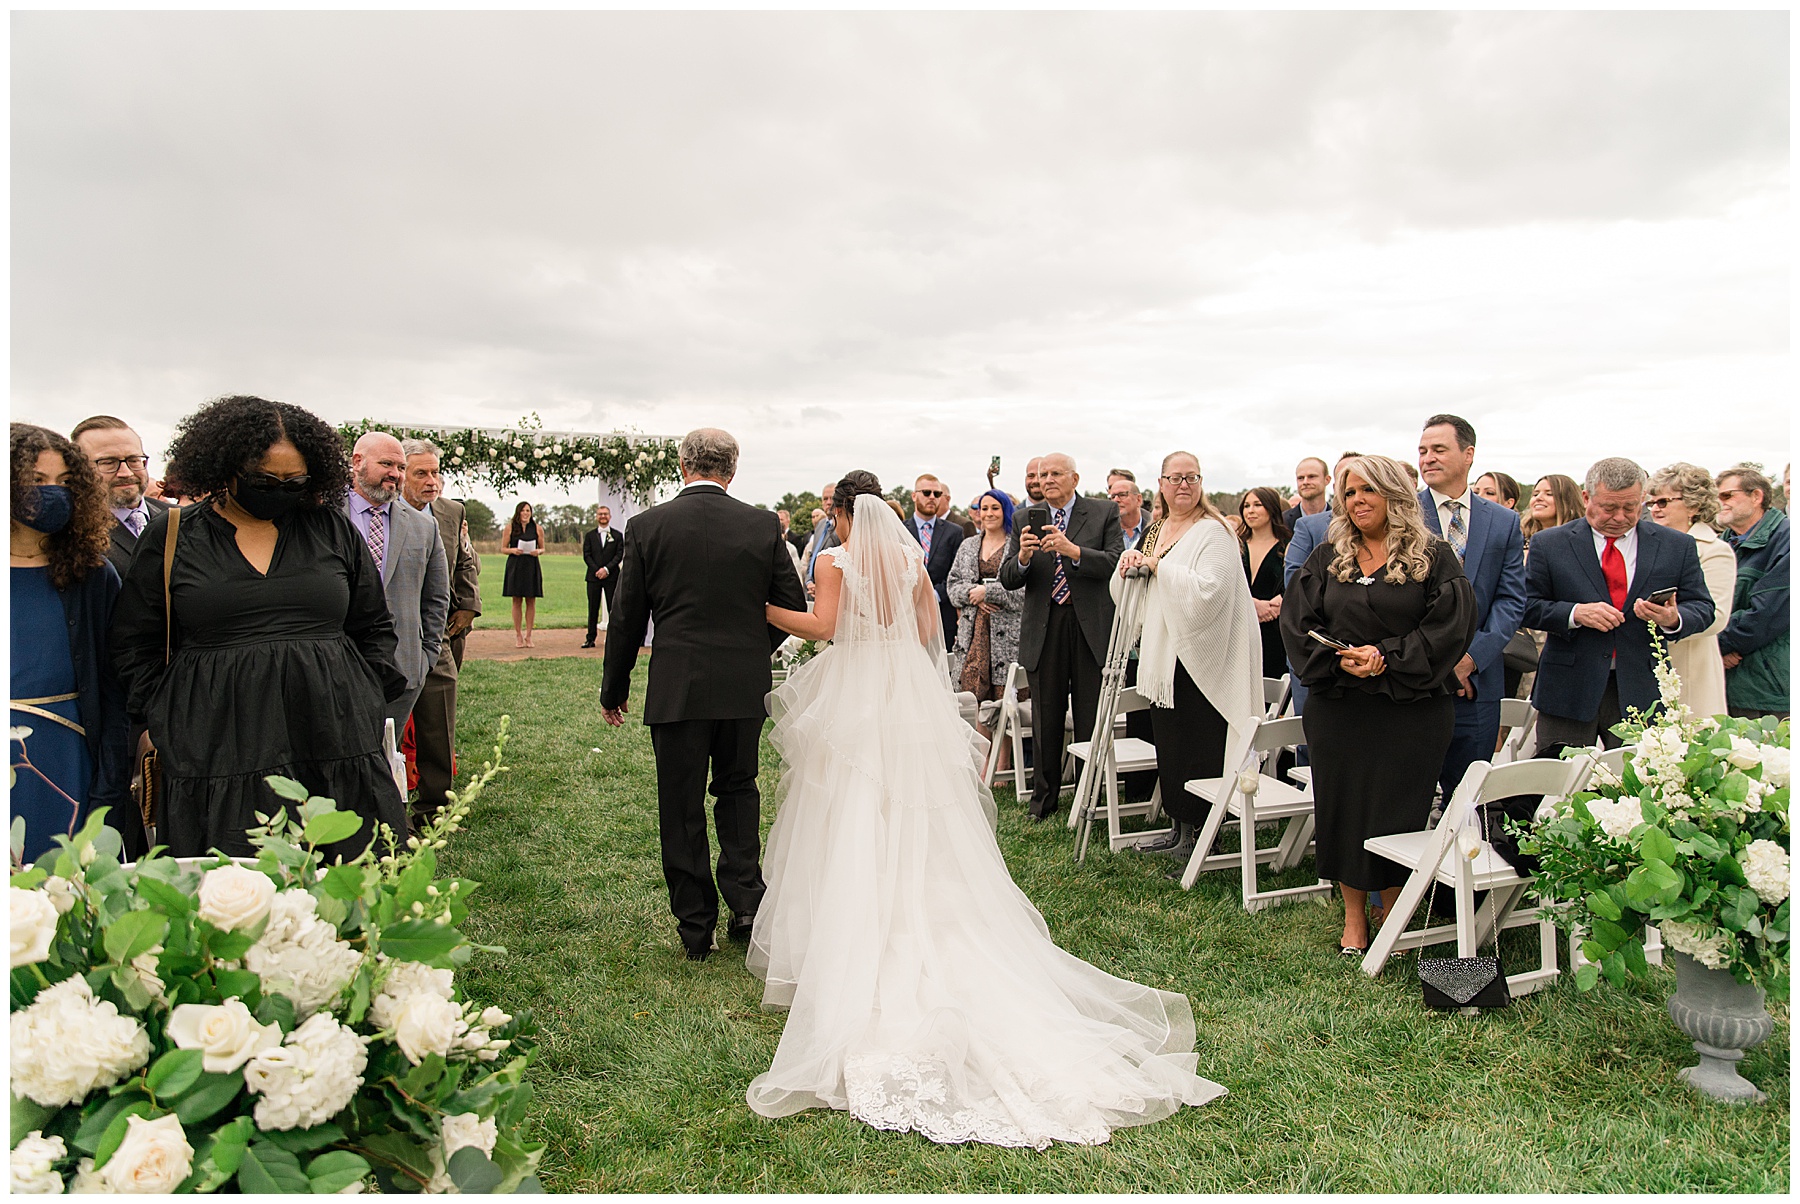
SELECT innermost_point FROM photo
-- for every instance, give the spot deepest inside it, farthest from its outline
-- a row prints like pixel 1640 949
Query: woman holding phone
pixel 987 616
pixel 1374 624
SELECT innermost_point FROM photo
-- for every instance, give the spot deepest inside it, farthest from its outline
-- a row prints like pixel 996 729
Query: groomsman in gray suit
pixel 409 552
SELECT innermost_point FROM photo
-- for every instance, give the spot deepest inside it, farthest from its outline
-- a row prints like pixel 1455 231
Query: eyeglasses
pixel 110 464
pixel 1657 503
pixel 1725 495
pixel 263 481
pixel 930 492
pixel 1183 478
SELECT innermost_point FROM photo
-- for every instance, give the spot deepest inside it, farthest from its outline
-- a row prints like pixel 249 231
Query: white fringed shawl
pixel 1199 610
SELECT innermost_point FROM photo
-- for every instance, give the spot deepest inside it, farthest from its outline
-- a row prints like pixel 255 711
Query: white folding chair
pixel 1269 800
pixel 1456 855
pixel 1519 718
pixel 1277 693
pixel 395 758
pixel 1014 722
pixel 1124 754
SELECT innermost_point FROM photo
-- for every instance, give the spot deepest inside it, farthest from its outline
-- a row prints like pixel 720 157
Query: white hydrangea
pixel 33 1163
pixel 1766 869
pixel 463 1129
pixel 67 1044
pixel 403 979
pixel 309 1078
pixel 1775 765
pixel 1617 817
pixel 300 955
pixel 1710 951
pixel 1678 804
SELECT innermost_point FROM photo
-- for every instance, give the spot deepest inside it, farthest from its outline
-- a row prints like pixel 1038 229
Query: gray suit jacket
pixel 416 580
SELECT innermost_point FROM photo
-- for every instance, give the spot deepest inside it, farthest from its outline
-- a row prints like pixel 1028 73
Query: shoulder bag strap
pixel 168 571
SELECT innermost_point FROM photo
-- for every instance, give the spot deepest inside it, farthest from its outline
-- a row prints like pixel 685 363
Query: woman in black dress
pixel 524 580
pixel 1380 712
pixel 1264 539
pixel 281 646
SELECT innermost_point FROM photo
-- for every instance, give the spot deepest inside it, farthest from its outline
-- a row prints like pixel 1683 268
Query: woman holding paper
pixel 524 582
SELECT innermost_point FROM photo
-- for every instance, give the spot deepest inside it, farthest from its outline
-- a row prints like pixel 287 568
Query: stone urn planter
pixel 1724 1017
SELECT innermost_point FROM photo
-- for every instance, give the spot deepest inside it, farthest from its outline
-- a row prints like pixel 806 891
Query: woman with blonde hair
pixel 1398 613
pixel 1200 664
pixel 1684 497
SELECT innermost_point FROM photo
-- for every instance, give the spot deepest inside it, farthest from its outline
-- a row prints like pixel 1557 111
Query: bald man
pixel 409 552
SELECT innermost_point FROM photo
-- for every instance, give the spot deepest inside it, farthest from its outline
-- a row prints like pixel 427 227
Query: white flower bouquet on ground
pixel 1694 837
pixel 278 1026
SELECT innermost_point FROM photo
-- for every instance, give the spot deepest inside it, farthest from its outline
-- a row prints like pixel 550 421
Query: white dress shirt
pixel 1442 502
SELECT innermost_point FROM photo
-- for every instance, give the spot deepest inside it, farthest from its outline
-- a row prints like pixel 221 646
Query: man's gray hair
pixel 710 452
pixel 419 447
pixel 1615 473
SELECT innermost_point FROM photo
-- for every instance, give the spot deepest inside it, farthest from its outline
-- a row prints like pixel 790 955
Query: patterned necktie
pixel 377 536
pixel 925 536
pixel 1612 567
pixel 1059 584
pixel 1457 532
pixel 134 523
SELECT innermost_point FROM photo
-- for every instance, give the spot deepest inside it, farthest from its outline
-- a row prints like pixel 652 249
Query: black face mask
pixel 262 498
pixel 55 507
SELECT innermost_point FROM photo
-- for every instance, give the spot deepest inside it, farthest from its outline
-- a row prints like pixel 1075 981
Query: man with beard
pixel 117 454
pixel 409 553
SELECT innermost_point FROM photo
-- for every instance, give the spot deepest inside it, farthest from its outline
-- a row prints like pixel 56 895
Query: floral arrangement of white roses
pixel 269 1026
pixel 506 459
pixel 1693 837
pixel 794 652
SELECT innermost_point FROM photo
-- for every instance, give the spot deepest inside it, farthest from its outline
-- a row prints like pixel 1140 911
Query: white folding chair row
pixel 1454 854
pixel 1519 718
pixel 1277 694
pixel 1012 726
pixel 1249 794
pixel 1127 754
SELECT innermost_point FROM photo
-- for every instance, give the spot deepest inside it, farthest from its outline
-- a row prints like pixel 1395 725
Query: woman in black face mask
pixel 279 652
pixel 64 692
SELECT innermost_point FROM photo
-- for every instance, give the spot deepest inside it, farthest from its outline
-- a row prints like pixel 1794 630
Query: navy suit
pixel 1576 672
pixel 1309 531
pixel 1494 563
pixel 946 538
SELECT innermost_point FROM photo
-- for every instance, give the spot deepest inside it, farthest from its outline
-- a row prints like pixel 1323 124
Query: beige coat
pixel 1696 657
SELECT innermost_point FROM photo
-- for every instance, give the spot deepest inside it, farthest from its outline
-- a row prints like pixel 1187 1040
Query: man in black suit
pixel 940 538
pixel 1067 622
pixel 1587 587
pixel 601 549
pixel 704 565
pixel 117 454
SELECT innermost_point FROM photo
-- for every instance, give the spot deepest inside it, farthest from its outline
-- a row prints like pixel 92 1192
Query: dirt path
pixel 499 645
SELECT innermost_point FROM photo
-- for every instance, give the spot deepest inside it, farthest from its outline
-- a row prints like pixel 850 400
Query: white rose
pixel 146 964
pixel 33 926
pixel 1775 765
pixel 463 1129
pixel 228 1033
pixel 68 1044
pixel 1766 870
pixel 61 892
pixel 1742 753
pixel 33 1161
pixel 154 1157
pixel 234 898
pixel 426 1024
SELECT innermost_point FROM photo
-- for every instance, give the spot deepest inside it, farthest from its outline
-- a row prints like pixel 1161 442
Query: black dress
pixel 1266 583
pixel 1376 743
pixel 524 576
pixel 284 673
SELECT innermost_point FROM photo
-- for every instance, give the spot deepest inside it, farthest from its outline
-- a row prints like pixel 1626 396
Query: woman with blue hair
pixel 987 616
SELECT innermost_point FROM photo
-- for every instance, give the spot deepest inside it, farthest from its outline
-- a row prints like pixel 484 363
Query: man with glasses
pixel 1754 645
pixel 117 454
pixel 1122 488
pixel 1066 572
pixel 940 538
pixel 1591 586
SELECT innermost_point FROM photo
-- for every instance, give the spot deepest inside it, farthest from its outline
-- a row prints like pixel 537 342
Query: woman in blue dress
pixel 69 751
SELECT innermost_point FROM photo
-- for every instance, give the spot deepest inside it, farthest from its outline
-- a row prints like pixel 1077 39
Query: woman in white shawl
pixel 1200 660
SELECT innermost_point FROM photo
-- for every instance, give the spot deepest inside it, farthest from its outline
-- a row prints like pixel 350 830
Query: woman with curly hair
pixel 1381 703
pixel 279 652
pixel 1684 497
pixel 76 756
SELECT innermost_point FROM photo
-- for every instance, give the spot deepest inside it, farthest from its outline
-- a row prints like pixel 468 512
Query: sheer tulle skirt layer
pixel 922 987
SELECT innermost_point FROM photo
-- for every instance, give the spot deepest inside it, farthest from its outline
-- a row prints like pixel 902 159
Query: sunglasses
pixel 930 492
pixel 1725 495
pixel 264 482
pixel 1657 503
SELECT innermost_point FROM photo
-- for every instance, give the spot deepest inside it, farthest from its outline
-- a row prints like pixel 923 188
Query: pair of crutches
pixel 1127 619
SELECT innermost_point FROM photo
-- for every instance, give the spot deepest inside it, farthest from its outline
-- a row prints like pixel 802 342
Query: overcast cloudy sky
pixel 913 241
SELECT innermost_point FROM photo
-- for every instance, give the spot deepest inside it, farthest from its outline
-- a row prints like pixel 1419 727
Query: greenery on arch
pixel 527 455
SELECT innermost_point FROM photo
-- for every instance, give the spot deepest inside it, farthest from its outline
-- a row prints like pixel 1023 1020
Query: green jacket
pixel 1758 630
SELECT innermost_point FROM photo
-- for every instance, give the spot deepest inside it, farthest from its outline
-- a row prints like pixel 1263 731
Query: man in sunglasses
pixel 940 538
pixel 117 454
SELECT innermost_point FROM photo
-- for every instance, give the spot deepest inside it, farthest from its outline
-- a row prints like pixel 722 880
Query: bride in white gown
pixel 923 990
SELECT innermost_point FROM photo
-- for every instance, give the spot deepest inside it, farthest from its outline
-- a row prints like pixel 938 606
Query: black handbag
pixel 1521 652
pixel 1451 983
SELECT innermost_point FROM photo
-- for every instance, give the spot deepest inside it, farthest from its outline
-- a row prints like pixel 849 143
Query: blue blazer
pixel 1494 563
pixel 1564 569
pixel 1309 533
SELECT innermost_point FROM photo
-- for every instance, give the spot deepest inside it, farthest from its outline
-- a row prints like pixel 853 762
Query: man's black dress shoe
pixel 740 927
pixel 589 644
pixel 699 953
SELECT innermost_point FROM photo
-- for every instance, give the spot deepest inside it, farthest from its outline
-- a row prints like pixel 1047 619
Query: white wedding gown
pixel 923 990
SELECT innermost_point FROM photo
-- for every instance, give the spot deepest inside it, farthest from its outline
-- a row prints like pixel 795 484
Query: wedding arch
pixel 628 464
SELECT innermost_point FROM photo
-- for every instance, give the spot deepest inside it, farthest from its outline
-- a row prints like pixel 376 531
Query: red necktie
pixel 1612 566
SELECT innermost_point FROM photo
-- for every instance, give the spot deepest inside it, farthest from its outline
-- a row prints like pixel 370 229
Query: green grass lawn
pixel 564 603
pixel 1338 1083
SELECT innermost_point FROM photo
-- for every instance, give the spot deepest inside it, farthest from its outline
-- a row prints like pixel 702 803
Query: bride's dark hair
pixel 856 482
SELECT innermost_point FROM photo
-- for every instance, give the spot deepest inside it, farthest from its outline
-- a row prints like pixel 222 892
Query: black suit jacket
pixel 703 565
pixel 1562 570
pixel 946 538
pixel 1094 526
pixel 124 544
pixel 603 552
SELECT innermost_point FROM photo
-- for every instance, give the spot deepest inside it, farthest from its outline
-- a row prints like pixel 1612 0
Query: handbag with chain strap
pixel 147 785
